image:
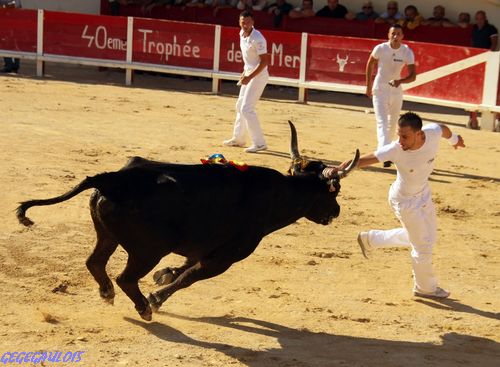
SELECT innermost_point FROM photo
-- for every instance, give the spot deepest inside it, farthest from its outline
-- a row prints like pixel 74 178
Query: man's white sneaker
pixel 364 243
pixel 256 148
pixel 233 143
pixel 438 293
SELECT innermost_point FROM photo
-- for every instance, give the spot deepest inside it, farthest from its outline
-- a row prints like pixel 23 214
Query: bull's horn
pixel 343 173
pixel 294 150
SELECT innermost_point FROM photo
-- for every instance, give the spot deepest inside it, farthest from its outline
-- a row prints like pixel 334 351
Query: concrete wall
pixel 453 7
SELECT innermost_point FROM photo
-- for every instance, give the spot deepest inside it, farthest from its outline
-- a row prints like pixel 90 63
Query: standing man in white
pixel 413 154
pixel 252 81
pixel 386 90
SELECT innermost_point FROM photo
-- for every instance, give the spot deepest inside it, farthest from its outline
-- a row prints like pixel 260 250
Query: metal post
pixel 40 64
pixel 490 89
pixel 130 38
pixel 215 79
pixel 303 65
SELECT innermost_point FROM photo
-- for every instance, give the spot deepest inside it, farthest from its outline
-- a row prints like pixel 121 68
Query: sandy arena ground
pixel 305 297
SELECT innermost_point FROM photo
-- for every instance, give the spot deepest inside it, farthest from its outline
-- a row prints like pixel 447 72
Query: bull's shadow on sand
pixel 301 347
pixel 449 304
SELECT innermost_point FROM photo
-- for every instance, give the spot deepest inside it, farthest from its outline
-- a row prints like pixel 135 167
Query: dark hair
pixel 412 7
pixel 396 26
pixel 246 13
pixel 410 119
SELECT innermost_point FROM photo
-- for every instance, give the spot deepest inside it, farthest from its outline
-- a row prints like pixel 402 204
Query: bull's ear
pixel 165 179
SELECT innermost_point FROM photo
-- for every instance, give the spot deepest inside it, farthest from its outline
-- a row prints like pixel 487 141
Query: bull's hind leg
pixel 216 263
pixel 96 263
pixel 104 248
pixel 168 275
pixel 136 268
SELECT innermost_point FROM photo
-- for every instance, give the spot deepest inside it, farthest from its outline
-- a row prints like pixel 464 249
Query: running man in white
pixel 253 81
pixel 386 90
pixel 410 197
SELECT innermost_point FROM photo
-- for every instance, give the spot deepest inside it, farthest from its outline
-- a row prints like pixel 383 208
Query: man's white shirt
pixel 251 48
pixel 390 63
pixel 413 166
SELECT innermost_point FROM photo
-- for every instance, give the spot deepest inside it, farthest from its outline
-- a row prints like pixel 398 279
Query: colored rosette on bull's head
pixel 216 158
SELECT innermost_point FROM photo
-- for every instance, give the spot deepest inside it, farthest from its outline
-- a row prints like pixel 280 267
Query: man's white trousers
pixel 418 218
pixel 387 103
pixel 246 117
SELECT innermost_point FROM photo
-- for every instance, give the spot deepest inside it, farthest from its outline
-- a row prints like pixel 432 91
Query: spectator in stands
pixel 11 64
pixel 251 4
pixel 114 5
pixel 463 20
pixel 221 4
pixel 198 3
pixel 484 35
pixel 392 15
pixel 333 9
pixel 279 9
pixel 149 5
pixel 367 12
pixel 304 11
pixel 412 18
pixel 438 19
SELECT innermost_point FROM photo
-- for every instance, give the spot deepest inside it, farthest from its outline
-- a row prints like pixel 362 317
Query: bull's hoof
pixel 163 276
pixel 146 314
pixel 154 302
pixel 111 301
pixel 108 295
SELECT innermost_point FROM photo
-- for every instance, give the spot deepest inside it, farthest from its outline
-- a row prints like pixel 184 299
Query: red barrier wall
pixel 464 86
pixel 18 29
pixel 333 59
pixel 337 59
pixel 173 43
pixel 284 50
pixel 82 35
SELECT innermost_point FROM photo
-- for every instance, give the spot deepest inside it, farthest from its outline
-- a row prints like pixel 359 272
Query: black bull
pixel 214 215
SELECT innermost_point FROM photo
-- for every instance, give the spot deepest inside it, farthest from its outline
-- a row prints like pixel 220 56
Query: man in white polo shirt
pixel 410 197
pixel 252 81
pixel 386 91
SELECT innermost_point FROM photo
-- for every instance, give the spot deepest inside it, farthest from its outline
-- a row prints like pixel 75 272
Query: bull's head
pixel 325 207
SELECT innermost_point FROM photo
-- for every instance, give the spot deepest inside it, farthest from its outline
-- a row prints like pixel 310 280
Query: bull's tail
pixel 86 184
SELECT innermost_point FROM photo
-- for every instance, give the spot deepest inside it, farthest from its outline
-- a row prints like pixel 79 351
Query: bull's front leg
pixel 216 263
pixel 184 280
pixel 169 275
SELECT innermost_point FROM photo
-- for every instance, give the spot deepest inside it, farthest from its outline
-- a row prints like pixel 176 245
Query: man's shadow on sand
pixel 301 347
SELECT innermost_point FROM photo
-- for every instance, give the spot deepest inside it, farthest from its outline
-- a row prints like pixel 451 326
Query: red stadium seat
pixel 179 13
pixel 451 36
pixel 317 25
pixel 329 26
